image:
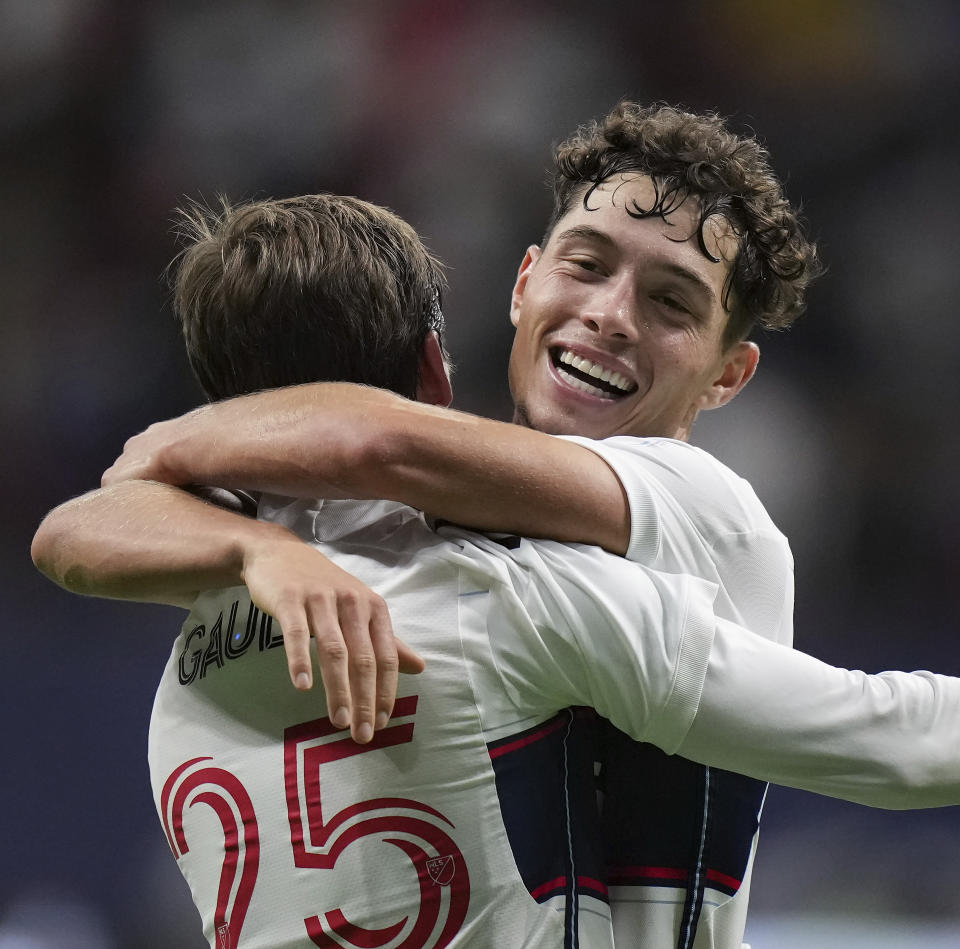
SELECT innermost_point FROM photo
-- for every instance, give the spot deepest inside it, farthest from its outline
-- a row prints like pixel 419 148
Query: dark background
pixel 112 112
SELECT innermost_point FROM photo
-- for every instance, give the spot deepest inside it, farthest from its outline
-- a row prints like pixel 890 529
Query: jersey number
pixel 318 840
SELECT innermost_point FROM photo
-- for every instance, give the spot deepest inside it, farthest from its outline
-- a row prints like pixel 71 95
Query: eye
pixel 671 302
pixel 586 263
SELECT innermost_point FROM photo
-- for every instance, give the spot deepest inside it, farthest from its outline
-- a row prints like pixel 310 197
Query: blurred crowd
pixel 112 113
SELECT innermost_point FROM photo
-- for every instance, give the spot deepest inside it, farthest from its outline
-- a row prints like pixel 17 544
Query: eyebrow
pixel 690 276
pixel 586 232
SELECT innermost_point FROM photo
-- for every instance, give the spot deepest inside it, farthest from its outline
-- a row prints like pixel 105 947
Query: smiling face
pixel 620 321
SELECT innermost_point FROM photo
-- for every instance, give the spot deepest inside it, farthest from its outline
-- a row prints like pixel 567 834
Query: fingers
pixel 349 666
pixel 387 662
pixel 363 665
pixel 143 456
pixel 357 654
pixel 356 650
pixel 332 659
pixel 317 619
pixel 117 472
pixel 120 470
pixel 296 644
pixel 411 663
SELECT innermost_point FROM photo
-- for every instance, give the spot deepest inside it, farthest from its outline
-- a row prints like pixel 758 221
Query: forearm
pixel 144 541
pixel 342 440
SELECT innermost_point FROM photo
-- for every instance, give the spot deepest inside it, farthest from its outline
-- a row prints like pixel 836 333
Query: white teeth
pixel 595 371
pixel 585 386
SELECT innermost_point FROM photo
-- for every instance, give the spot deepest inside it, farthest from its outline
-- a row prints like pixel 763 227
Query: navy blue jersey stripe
pixel 658 829
pixel 693 905
pixel 545 783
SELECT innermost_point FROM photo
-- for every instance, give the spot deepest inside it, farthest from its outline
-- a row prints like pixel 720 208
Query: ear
pixel 737 369
pixel 434 386
pixel 523 274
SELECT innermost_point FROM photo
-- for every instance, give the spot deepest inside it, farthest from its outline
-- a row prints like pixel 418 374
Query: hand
pixel 311 597
pixel 146 457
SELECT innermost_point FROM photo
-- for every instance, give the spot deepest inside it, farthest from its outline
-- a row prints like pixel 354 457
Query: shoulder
pixel 665 472
pixel 664 457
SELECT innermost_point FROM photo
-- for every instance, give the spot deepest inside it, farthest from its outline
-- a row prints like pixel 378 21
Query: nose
pixel 613 314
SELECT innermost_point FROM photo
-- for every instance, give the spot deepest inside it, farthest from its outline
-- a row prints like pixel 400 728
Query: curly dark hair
pixel 690 155
pixel 313 288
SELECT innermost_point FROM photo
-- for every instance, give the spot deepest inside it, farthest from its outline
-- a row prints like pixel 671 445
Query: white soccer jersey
pixel 680 849
pixel 289 834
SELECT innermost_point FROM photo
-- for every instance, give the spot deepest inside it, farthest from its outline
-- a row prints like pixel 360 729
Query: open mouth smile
pixel 590 378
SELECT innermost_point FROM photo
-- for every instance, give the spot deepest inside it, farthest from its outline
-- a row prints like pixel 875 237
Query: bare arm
pixel 151 542
pixel 136 541
pixel 345 440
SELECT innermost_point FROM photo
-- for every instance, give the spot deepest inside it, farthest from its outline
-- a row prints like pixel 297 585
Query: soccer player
pixel 267 806
pixel 669 240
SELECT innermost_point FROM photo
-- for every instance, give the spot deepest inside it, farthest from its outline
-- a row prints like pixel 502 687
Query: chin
pixel 548 422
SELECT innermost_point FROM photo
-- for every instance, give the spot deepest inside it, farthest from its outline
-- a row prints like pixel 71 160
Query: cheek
pixel 524 346
pixel 686 352
pixel 533 326
pixel 522 360
pixel 674 350
pixel 550 299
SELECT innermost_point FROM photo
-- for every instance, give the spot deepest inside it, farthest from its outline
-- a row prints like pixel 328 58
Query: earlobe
pixel 434 387
pixel 523 274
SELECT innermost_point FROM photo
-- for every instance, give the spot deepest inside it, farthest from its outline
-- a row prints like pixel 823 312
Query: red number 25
pixel 318 840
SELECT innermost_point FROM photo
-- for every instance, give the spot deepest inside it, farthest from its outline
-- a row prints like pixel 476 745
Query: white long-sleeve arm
pixel 645 649
pixel 888 740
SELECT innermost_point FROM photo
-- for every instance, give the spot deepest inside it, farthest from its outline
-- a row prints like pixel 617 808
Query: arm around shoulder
pixel 143 541
pixel 339 440
pixel 495 476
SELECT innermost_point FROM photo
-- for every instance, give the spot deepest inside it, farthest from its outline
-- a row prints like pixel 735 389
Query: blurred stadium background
pixel 112 112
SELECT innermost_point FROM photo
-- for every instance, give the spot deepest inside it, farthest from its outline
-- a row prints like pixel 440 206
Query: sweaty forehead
pixel 720 239
pixel 636 194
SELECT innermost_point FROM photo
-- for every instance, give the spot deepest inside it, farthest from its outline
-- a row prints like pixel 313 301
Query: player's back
pixel 289 833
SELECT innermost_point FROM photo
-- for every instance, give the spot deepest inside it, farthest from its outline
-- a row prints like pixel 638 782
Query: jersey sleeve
pixel 673 487
pixel 888 740
pixel 573 625
pixel 646 650
pixel 689 513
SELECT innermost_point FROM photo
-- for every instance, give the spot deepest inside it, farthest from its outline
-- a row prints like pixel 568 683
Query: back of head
pixel 696 155
pixel 307 289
